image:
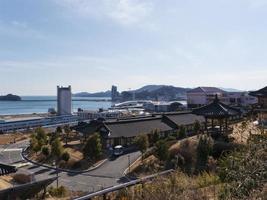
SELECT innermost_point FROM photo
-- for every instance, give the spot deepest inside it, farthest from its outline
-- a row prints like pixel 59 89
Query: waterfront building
pixel 64 100
pixel 114 93
pixel 202 96
pixel 262 105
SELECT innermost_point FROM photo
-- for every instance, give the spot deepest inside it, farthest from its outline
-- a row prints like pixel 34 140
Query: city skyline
pixel 92 45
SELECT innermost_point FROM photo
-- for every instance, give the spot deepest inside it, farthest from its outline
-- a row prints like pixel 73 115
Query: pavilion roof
pixel 216 109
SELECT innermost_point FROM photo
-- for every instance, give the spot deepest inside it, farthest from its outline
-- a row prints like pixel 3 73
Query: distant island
pixel 10 97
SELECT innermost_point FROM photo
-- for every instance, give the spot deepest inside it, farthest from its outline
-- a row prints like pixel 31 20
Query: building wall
pixel 196 99
pixel 233 98
pixel 64 101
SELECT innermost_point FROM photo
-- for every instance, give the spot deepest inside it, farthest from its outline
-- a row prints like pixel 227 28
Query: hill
pixel 97 94
pixel 156 92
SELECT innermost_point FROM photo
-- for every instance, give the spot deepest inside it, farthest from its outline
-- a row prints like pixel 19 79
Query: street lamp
pixel 129 163
pixel 55 164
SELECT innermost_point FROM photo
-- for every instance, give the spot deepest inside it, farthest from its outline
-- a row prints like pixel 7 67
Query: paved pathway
pixel 109 174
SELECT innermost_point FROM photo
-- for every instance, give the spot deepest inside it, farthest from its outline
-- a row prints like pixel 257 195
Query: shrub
pixel 65 156
pixel 181 132
pixel 204 149
pixel 45 151
pixel 162 150
pixel 93 147
pixel 56 148
pixel 22 178
pixel 58 192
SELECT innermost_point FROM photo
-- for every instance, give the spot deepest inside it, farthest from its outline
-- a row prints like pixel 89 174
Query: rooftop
pixel 206 90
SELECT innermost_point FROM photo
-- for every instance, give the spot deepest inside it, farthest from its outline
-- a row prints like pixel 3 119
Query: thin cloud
pixel 124 12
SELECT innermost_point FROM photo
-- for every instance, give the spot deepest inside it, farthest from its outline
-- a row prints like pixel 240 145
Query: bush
pixel 93 147
pixel 58 192
pixel 22 178
pixel 45 151
pixel 181 132
pixel 204 149
pixel 162 150
pixel 56 148
pixel 65 156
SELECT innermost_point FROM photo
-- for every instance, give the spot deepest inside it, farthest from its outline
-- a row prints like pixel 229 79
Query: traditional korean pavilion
pixel 217 114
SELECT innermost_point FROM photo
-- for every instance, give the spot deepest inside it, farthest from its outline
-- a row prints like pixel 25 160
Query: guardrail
pixel 7 169
pixel 122 186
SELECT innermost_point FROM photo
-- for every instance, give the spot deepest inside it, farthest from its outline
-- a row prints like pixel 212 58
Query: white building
pixel 201 96
pixel 64 101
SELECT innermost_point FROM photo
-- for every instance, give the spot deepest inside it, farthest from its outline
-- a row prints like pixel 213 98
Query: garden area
pixel 65 149
pixel 232 167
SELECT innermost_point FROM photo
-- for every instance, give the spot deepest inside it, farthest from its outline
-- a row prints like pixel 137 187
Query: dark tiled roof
pixel 206 90
pixel 132 128
pixel 216 109
pixel 185 119
pixel 259 93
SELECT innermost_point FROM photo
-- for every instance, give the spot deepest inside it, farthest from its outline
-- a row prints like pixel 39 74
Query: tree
pixel 204 150
pixel 162 150
pixel 41 136
pixel 141 141
pixel 67 132
pixel 65 156
pixel 93 147
pixel 45 151
pixel 59 130
pixel 56 148
pixel 34 145
pixel 155 136
pixel 181 132
pixel 197 127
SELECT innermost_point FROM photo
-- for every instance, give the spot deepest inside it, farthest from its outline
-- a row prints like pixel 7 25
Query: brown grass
pixel 5 182
pixel 13 137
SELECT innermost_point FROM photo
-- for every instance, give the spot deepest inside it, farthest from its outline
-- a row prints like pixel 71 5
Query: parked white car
pixel 118 150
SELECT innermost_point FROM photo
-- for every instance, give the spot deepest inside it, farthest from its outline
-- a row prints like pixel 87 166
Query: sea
pixel 41 104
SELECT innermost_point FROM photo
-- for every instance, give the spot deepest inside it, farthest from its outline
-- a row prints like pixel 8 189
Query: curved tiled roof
pixel 259 93
pixel 216 109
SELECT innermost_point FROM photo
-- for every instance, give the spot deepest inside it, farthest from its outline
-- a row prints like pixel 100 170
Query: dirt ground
pixel 12 137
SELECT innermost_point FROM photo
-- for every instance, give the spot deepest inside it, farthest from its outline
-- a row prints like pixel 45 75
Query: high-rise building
pixel 64 101
pixel 114 93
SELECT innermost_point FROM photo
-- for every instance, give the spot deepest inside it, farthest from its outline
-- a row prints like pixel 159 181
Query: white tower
pixel 64 101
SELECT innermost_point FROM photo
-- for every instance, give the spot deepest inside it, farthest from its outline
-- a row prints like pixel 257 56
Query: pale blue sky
pixel 92 44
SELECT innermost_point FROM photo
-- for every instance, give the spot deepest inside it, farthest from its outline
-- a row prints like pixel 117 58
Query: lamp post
pixel 129 164
pixel 55 164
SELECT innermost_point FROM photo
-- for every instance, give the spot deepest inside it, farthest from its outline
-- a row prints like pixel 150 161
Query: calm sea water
pixel 41 104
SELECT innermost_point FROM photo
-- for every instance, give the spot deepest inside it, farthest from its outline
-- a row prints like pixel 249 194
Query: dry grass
pixel 13 137
pixel 5 182
pixel 242 132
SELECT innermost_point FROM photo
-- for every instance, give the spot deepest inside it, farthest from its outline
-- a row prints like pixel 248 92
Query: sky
pixel 93 44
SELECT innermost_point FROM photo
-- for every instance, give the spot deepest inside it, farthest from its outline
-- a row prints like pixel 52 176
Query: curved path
pixel 107 175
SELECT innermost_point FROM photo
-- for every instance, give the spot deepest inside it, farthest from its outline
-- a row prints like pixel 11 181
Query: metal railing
pixel 124 185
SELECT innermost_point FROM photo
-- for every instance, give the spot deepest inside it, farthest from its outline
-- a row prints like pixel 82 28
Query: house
pixel 123 132
pixel 262 105
pixel 202 96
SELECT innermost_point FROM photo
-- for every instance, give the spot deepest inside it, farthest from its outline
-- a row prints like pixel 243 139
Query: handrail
pixel 124 185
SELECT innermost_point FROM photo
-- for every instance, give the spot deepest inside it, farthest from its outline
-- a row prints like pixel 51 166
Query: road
pixel 109 174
